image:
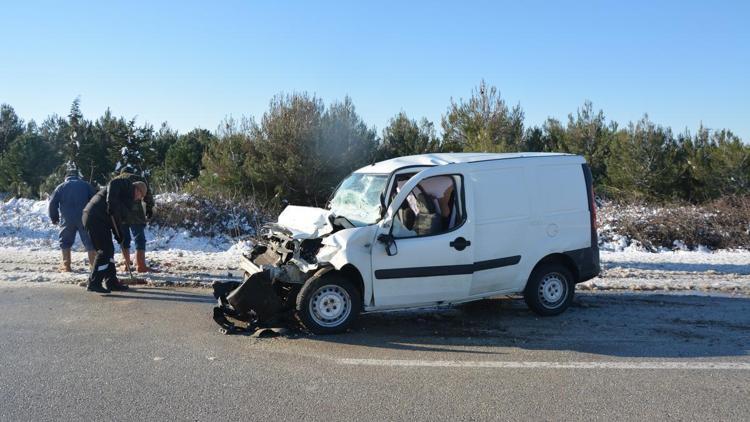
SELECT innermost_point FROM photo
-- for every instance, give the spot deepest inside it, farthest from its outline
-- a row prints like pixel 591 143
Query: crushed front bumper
pixel 253 302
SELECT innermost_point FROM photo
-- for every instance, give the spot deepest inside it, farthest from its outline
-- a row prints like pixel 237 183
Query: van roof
pixel 440 159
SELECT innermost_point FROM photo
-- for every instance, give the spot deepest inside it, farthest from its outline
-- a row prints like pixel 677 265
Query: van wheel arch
pixel 561 259
pixel 355 277
pixel 349 272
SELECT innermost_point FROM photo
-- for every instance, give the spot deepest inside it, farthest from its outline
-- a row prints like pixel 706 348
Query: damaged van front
pixel 310 262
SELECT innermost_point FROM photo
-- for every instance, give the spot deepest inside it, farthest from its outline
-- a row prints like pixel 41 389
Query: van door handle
pixel 460 244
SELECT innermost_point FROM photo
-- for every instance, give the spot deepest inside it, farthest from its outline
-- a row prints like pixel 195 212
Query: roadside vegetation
pixel 301 147
pixel 722 223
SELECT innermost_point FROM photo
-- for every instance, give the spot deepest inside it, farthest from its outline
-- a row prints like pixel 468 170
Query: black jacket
pixel 112 202
pixel 137 214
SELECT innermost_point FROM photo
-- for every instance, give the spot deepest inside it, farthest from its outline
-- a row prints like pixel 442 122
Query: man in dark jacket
pixel 103 217
pixel 134 224
pixel 69 199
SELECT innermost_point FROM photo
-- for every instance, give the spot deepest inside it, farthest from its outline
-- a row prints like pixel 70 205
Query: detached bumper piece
pixel 253 302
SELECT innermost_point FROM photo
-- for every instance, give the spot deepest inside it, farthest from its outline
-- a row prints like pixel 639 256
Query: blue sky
pixel 193 63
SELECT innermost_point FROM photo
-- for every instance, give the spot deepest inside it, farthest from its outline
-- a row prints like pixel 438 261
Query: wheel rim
pixel 330 306
pixel 552 290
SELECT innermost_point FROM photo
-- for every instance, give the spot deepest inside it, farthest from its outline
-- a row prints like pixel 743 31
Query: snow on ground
pixel 726 271
pixel 24 223
pixel 29 252
pixel 175 266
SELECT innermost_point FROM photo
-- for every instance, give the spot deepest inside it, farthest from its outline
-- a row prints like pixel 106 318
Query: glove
pixel 55 222
pixel 149 214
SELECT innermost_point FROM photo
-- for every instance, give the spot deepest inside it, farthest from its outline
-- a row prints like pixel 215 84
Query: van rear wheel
pixel 550 289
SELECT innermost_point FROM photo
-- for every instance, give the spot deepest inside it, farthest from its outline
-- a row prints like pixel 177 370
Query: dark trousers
pixel 135 232
pixel 100 233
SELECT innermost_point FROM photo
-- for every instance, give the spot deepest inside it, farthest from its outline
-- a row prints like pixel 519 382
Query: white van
pixel 427 230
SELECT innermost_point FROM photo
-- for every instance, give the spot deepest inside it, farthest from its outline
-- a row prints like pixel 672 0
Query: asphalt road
pixel 155 354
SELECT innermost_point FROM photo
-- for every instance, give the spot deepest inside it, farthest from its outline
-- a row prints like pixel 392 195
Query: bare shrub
pixel 203 216
pixel 719 224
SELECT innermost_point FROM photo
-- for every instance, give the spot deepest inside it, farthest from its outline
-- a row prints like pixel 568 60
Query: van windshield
pixel 358 198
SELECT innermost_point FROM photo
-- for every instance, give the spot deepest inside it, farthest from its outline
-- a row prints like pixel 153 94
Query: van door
pixel 429 221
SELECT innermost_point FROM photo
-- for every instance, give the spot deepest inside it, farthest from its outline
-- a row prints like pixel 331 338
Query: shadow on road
pixel 624 325
pixel 168 295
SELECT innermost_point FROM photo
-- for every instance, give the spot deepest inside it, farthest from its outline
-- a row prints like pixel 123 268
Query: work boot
pixel 140 262
pixel 115 285
pixel 65 266
pixel 92 259
pixel 96 287
pixel 127 263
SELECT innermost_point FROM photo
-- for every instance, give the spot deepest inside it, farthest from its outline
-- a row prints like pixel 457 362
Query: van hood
pixel 305 222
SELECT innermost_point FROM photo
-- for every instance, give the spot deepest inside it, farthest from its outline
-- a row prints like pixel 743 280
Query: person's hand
pixel 116 235
pixel 149 214
pixel 55 222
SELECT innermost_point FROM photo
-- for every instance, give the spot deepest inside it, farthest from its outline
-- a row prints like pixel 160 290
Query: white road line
pixel 742 366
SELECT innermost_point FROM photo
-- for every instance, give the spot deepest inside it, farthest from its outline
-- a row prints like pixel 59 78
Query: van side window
pixel 434 206
pixel 399 181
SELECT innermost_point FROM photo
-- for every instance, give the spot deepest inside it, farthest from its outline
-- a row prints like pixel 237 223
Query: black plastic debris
pixel 248 308
pixel 256 294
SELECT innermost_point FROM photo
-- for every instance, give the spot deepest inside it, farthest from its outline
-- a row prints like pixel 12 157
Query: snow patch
pixel 24 224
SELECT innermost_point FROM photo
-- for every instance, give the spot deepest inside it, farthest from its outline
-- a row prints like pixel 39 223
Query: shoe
pixel 97 288
pixel 65 266
pixel 116 286
pixel 140 263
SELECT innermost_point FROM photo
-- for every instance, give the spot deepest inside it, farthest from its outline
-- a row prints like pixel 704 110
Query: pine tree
pixel 131 157
pixel 76 125
pixel 643 162
pixel 227 167
pixel 11 126
pixel 183 159
pixel 25 165
pixel 589 135
pixel 404 136
pixel 483 123
pixel 301 149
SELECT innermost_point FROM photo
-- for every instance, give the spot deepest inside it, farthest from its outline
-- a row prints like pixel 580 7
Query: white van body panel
pixel 502 217
pixel 523 208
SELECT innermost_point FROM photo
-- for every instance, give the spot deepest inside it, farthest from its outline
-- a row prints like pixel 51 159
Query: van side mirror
pixel 389 242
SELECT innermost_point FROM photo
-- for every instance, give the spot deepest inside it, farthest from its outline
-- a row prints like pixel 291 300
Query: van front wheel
pixel 550 289
pixel 328 304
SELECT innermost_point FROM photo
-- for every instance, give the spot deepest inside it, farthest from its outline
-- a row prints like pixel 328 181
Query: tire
pixel 550 289
pixel 328 305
